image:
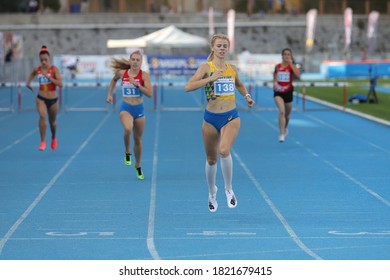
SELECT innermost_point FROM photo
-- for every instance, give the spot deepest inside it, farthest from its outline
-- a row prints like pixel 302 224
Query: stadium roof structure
pixel 168 37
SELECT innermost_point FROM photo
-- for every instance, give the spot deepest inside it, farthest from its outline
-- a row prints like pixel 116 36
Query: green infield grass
pixel 335 95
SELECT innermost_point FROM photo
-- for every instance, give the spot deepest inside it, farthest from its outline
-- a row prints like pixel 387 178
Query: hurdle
pixel 3 99
pixel 77 95
pixel 174 100
pixel 328 105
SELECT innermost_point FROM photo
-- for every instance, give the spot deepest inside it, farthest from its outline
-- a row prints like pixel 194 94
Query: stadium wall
pixel 87 34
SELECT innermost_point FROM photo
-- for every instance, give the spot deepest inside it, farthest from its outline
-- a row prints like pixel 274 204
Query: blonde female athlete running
pixel 221 119
pixel 135 84
pixel 49 78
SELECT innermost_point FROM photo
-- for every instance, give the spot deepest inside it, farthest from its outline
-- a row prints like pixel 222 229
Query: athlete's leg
pixel 228 135
pixel 127 123
pixel 42 111
pixel 210 139
pixel 288 108
pixel 53 110
pixel 282 113
pixel 139 125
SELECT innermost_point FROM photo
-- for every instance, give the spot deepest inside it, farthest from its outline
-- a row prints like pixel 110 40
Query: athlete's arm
pixel 200 78
pixel 242 89
pixel 295 69
pixel 57 80
pixel 146 88
pixel 30 78
pixel 118 74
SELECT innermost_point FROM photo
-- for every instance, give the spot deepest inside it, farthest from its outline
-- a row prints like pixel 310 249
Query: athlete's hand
pixel 216 75
pixel 30 88
pixel 109 99
pixel 279 88
pixel 250 101
pixel 132 81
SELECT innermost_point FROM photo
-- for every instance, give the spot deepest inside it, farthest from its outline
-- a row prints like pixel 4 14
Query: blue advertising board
pixel 353 69
pixel 174 65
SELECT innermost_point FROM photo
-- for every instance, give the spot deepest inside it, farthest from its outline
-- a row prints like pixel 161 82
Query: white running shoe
pixel 213 204
pixel 231 199
pixel 281 138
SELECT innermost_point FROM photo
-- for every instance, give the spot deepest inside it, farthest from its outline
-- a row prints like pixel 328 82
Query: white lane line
pixel 21 139
pixel 345 174
pixel 338 169
pixel 349 134
pixel 274 209
pixel 5 117
pixel 17 141
pixel 357 182
pixel 26 213
pixel 152 207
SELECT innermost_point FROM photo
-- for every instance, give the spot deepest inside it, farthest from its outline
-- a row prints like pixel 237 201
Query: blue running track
pixel 322 194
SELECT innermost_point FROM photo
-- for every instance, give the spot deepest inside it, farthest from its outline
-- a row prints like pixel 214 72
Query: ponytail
pixel 211 56
pixel 44 50
pixel 120 64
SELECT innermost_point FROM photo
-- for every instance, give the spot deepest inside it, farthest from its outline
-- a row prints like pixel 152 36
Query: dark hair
pixel 44 50
pixel 288 49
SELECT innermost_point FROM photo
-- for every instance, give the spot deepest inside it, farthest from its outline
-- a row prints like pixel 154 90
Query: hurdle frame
pixel 11 102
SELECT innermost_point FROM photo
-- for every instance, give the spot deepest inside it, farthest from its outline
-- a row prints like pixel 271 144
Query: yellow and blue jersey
pixel 223 88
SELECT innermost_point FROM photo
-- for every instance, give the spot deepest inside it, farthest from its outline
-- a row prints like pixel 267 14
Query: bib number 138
pixel 224 87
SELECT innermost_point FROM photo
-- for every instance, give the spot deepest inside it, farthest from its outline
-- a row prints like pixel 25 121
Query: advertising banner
pixel 347 28
pixel 211 22
pixel 372 30
pixel 345 69
pixel 231 17
pixel 89 68
pixel 96 68
pixel 11 46
pixel 261 66
pixel 84 68
pixel 311 21
pixel 174 65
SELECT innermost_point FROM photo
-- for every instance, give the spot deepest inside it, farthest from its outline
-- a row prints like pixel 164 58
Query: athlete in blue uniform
pixel 135 84
pixel 221 119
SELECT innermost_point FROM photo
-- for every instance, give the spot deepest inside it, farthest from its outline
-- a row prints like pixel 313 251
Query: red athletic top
pixel 284 78
pixel 44 83
pixel 128 89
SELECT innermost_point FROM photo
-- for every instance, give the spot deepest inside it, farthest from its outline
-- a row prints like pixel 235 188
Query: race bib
pixel 130 91
pixel 224 86
pixel 43 80
pixel 284 76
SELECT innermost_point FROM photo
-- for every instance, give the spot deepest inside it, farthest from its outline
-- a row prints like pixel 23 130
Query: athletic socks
pixel 227 171
pixel 211 172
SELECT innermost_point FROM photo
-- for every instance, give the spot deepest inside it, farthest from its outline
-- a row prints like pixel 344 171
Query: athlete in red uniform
pixel 283 89
pixel 135 84
pixel 49 78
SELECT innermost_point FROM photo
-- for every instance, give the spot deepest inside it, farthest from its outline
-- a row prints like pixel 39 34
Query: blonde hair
pixel 120 63
pixel 123 63
pixel 212 42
